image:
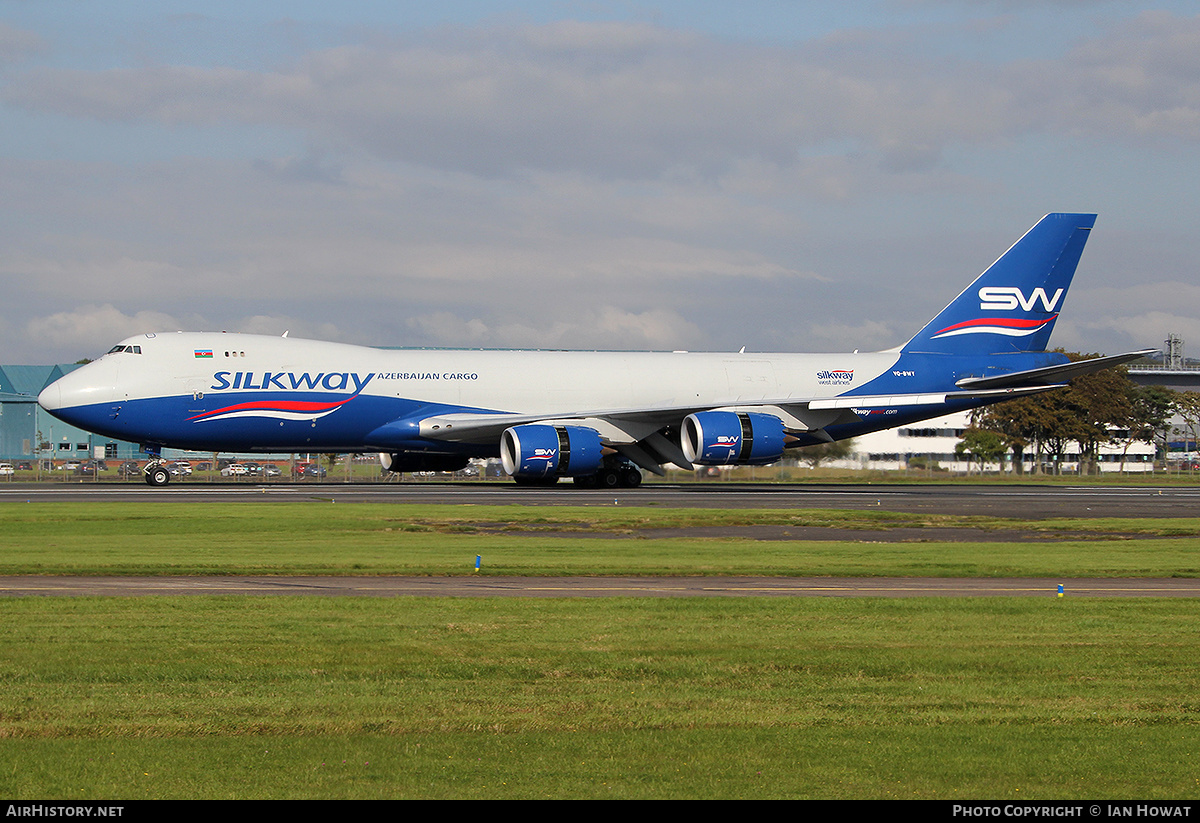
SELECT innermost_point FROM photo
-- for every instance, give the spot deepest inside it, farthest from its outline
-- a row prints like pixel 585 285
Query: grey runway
pixel 1000 500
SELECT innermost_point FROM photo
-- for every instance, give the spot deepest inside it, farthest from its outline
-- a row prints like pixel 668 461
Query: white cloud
pixel 631 99
pixel 277 326
pixel 605 327
pixel 18 44
pixel 90 330
pixel 868 335
pixel 1144 78
pixel 1131 317
pixel 636 100
pixel 606 185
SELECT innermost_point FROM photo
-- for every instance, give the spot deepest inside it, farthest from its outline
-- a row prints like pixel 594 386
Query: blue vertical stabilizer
pixel 1012 306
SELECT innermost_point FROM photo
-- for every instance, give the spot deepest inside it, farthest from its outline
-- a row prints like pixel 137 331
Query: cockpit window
pixel 126 349
pixel 116 349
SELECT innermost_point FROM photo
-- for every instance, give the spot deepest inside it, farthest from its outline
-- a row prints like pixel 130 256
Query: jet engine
pixel 722 438
pixel 539 451
pixel 422 462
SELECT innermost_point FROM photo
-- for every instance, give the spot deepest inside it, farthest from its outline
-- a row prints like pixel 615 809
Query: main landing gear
pixel 623 476
pixel 612 475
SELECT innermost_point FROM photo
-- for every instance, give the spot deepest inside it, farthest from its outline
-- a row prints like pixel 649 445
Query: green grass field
pixel 258 697
pixel 314 537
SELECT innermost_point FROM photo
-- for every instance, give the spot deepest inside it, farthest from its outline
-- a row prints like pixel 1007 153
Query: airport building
pixel 931 444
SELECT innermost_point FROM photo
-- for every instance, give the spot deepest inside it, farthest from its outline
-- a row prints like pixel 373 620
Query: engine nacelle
pixel 721 438
pixel 422 462
pixel 536 450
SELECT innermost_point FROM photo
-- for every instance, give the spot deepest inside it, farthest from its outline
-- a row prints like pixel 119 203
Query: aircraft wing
pixel 633 425
pixel 635 432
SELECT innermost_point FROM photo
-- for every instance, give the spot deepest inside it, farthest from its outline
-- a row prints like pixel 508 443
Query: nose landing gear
pixel 156 473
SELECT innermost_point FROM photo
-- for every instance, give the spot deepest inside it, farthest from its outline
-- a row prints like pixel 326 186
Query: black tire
pixel 631 478
pixel 609 479
pixel 158 477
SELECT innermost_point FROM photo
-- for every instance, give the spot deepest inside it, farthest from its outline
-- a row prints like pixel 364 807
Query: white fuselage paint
pixel 543 382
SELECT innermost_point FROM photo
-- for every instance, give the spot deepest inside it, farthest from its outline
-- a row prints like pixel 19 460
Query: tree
pixel 1019 423
pixel 984 446
pixel 1101 405
pixel 1088 412
pixel 1150 411
pixel 1187 406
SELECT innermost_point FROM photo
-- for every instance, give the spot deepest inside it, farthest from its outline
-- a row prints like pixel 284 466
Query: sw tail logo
pixel 1009 298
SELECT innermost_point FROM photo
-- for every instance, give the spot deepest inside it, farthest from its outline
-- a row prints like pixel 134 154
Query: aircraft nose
pixel 81 395
pixel 50 398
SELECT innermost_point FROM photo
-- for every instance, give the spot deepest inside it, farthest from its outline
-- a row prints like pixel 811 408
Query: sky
pixel 778 175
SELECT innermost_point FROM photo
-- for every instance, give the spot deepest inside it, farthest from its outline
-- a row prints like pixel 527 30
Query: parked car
pixel 180 468
pixel 7 470
pixel 129 468
pixel 234 470
pixel 310 470
pixel 24 466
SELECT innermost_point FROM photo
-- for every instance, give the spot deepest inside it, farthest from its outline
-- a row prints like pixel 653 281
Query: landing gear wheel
pixel 158 476
pixel 631 478
pixel 609 479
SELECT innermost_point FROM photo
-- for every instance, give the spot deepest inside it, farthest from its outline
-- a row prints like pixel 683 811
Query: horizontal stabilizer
pixel 1051 374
